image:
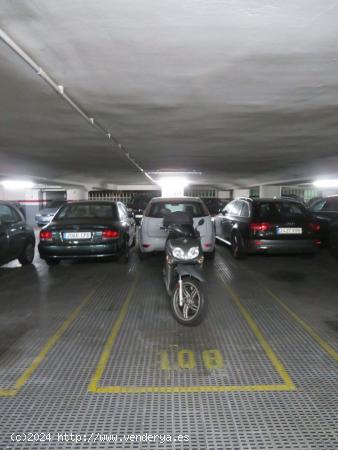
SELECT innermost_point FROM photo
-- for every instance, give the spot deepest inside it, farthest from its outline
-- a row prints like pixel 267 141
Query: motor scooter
pixel 182 271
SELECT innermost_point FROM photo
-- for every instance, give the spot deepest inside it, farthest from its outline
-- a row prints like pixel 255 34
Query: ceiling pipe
pixel 60 90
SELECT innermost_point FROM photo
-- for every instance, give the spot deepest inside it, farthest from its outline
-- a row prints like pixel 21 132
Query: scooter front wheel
pixel 193 308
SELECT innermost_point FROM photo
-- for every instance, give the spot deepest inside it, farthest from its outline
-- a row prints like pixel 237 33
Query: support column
pixel 76 194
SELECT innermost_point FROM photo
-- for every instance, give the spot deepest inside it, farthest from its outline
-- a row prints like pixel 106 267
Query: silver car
pixel 46 214
pixel 152 237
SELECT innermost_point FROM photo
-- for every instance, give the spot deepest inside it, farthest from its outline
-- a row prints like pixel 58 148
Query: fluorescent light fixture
pixel 173 186
pixel 17 184
pixel 326 183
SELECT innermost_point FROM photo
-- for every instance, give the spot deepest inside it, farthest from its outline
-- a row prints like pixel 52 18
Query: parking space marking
pixel 94 386
pixel 278 365
pixel 315 336
pixel 325 345
pixel 22 380
pixel 104 358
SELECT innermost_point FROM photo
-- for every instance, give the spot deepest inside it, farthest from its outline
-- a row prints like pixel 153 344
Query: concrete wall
pixel 225 194
pixel 241 193
pixel 270 191
pixel 75 194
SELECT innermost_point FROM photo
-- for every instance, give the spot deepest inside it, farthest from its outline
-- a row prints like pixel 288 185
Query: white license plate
pixel 289 230
pixel 77 235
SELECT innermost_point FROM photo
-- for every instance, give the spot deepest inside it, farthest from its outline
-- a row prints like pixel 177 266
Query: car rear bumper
pixel 282 246
pixel 78 251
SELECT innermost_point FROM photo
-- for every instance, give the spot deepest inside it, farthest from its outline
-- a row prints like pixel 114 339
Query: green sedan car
pixel 88 229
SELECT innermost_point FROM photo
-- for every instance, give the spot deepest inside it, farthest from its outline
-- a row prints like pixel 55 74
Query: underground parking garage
pixel 168 225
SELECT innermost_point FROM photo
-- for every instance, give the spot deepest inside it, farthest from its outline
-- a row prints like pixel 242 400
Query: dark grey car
pixel 267 225
pixel 17 240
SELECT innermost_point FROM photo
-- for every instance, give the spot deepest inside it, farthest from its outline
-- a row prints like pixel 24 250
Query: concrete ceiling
pixel 244 91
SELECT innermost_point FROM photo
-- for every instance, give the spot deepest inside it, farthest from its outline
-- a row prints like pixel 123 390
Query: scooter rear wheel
pixel 193 310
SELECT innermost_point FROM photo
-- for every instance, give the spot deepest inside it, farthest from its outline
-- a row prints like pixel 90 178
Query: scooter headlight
pixel 178 253
pixel 193 252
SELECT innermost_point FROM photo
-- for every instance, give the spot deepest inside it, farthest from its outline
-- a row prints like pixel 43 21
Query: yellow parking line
pixel 104 358
pixel 22 380
pixel 94 387
pixel 323 344
pixel 261 339
pixel 191 389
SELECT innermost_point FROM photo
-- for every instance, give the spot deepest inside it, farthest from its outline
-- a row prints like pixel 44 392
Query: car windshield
pixel 279 211
pixel 87 211
pixel 160 209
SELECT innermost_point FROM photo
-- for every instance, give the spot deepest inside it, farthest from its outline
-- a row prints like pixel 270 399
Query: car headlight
pixel 193 252
pixel 178 253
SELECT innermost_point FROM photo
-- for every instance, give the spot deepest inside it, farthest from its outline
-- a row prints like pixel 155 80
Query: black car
pixel 215 205
pixel 325 210
pixel 17 240
pixel 88 229
pixel 267 225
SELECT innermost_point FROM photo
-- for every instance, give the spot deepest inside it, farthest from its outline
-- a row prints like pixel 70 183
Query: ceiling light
pixel 332 183
pixel 173 186
pixel 17 184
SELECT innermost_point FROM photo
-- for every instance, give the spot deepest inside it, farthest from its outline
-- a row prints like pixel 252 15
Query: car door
pixel 126 221
pixel 12 233
pixel 220 220
pixel 243 218
pixel 131 222
pixel 232 211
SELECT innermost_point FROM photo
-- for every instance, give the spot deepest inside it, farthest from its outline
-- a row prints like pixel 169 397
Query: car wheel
pixel 333 243
pixel 52 262
pixel 210 255
pixel 237 247
pixel 27 254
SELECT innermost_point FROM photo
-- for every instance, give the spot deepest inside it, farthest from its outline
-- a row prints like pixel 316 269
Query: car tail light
pixel 318 242
pixel 315 227
pixel 257 227
pixel 46 235
pixel 110 234
pixel 146 245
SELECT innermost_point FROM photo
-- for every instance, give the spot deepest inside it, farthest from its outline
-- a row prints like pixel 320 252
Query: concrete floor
pixel 92 349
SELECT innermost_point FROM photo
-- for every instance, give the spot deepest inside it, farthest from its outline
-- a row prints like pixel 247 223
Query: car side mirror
pixel 200 222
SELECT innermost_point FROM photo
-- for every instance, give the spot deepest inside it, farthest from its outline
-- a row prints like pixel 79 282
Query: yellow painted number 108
pixel 185 359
